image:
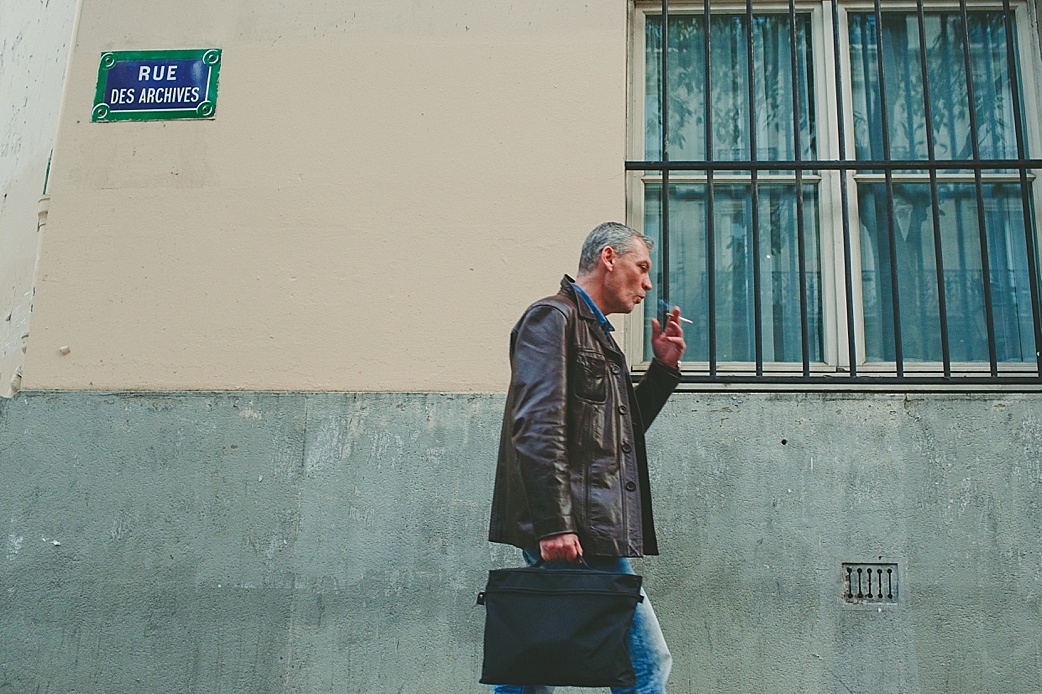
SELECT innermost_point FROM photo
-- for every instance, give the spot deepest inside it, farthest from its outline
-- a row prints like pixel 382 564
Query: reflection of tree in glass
pixel 949 88
pixel 774 83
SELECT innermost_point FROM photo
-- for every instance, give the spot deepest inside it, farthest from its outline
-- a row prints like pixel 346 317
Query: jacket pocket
pixel 589 379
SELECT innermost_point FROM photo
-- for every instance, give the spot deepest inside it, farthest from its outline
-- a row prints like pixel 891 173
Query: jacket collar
pixel 587 314
pixel 602 320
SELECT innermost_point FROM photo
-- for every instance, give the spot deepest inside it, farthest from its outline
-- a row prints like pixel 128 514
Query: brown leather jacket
pixel 571 452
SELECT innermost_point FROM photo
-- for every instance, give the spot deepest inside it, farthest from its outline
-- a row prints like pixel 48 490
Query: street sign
pixel 157 85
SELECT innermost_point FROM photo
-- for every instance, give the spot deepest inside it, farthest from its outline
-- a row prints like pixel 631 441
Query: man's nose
pixel 647 283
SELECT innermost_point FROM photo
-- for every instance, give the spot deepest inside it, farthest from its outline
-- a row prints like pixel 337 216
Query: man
pixel 572 476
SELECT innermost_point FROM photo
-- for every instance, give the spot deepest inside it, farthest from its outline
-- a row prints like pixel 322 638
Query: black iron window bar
pixel 1021 164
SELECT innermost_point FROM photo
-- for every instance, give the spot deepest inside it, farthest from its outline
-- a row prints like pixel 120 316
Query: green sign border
pixel 206 110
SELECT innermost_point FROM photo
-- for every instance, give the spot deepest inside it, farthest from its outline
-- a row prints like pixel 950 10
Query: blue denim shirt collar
pixel 601 318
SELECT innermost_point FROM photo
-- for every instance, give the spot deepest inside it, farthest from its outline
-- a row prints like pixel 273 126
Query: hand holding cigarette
pixel 667 342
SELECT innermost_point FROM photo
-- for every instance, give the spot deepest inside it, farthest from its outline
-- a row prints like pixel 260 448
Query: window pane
pixel 963 276
pixel 774 85
pixel 949 95
pixel 779 269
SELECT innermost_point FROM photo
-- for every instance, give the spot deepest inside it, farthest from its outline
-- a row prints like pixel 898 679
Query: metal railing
pixel 855 370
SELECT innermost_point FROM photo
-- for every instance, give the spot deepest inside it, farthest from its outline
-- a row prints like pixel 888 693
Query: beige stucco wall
pixel 385 186
pixel 34 48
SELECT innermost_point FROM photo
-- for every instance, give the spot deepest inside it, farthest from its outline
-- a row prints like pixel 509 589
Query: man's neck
pixel 592 289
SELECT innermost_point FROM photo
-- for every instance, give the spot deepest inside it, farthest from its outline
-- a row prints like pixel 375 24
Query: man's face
pixel 629 280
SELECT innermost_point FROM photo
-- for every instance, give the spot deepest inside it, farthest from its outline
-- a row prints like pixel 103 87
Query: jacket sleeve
pixel 539 429
pixel 654 389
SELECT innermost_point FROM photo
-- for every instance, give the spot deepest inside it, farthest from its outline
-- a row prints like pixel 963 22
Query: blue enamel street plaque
pixel 157 85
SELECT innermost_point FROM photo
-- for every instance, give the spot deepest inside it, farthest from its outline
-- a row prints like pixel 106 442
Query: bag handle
pixel 540 562
pixel 582 560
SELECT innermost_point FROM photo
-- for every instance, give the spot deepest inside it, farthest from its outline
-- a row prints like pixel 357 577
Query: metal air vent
pixel 872 583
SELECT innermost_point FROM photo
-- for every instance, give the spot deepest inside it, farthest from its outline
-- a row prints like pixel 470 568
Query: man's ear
pixel 608 257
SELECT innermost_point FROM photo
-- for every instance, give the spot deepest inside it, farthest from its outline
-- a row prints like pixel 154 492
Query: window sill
pixel 872 377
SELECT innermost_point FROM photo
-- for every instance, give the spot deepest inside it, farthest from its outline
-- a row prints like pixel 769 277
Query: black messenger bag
pixel 558 627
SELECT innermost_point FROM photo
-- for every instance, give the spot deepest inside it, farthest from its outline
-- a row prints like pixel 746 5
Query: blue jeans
pixel 648 650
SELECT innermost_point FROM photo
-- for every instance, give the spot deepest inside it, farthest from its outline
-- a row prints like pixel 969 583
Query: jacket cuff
pixel 553 526
pixel 659 371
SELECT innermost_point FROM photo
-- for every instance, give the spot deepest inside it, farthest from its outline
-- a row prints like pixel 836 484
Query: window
pixel 834 206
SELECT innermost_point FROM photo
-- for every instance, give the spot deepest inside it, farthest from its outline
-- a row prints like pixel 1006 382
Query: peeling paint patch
pixel 273 547
pixel 14 545
pixel 250 413
pixel 120 527
pixel 325 448
pixel 1029 436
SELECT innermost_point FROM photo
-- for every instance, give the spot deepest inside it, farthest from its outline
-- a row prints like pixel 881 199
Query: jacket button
pixel 626 447
pixel 622 409
pixel 615 368
pixel 631 487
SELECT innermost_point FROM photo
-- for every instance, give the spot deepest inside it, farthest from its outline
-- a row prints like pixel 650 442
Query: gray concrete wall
pixel 248 543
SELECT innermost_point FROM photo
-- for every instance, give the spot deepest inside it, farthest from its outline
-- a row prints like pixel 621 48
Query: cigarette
pixel 664 307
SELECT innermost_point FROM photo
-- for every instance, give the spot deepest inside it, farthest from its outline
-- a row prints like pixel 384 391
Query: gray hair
pixel 618 236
